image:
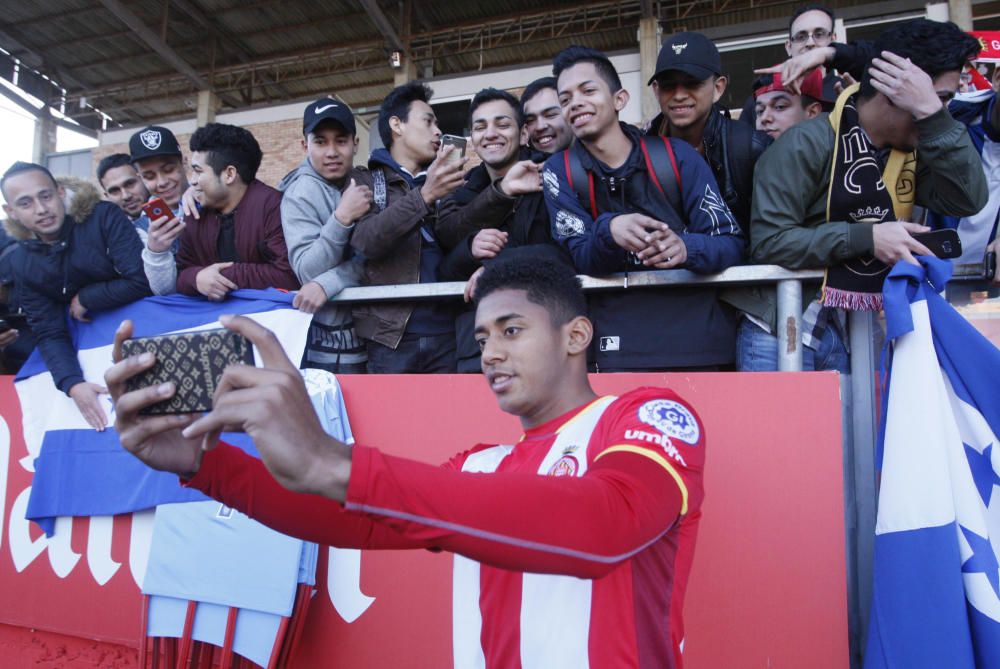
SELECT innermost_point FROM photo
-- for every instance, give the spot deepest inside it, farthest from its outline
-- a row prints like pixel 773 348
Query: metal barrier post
pixel 861 428
pixel 789 325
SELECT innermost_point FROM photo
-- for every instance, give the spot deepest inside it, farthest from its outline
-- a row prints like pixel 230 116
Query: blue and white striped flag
pixel 81 472
pixel 936 595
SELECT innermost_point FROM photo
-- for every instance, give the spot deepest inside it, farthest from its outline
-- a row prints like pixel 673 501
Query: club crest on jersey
pixel 672 419
pixel 151 139
pixel 567 465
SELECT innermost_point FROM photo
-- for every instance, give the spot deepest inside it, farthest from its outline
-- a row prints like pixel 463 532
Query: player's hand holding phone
pixel 445 175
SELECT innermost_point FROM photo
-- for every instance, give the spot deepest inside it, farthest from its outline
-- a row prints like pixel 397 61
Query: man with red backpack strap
pixel 620 202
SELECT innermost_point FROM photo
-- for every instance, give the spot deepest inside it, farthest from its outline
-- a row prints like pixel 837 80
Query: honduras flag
pixel 81 472
pixel 936 594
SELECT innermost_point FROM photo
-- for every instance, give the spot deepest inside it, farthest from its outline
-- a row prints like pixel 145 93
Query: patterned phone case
pixel 193 361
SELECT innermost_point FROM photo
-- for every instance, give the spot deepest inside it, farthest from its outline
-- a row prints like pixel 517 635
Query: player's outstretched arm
pixel 271 405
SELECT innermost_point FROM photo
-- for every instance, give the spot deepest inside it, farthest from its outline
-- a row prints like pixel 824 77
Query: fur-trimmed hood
pixel 81 198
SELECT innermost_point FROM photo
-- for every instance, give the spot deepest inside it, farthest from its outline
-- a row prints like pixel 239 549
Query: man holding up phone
pixel 157 157
pixel 406 233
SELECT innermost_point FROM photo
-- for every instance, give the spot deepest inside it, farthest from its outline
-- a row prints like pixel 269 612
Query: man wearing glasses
pixel 811 26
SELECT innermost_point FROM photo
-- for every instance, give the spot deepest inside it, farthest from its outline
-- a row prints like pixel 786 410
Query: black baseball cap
pixel 153 141
pixel 328 108
pixel 691 53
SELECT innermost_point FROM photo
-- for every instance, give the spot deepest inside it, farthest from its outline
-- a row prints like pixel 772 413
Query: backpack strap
pixel 580 180
pixel 661 164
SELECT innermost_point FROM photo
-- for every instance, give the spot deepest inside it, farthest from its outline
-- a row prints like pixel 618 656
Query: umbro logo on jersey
pixel 151 139
pixel 678 47
pixel 661 439
pixel 320 110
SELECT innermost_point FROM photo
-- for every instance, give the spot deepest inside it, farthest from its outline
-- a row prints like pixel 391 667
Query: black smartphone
pixel 193 361
pixel 945 244
pixel 990 265
pixel 458 152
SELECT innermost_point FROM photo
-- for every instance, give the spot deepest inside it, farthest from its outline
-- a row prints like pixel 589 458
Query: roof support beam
pixel 381 22
pixel 153 41
pixel 192 9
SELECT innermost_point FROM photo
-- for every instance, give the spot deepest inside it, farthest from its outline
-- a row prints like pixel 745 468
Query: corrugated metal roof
pixel 261 51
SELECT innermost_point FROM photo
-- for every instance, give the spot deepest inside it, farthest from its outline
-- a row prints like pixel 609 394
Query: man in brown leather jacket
pixel 407 231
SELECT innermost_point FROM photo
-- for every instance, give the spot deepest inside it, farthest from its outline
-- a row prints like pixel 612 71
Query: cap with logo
pixel 811 85
pixel 328 109
pixel 690 53
pixel 153 141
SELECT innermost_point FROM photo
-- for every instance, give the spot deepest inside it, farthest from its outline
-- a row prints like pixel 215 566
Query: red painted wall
pixel 768 586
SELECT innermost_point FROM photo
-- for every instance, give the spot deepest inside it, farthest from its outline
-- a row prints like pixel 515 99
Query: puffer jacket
pixel 97 257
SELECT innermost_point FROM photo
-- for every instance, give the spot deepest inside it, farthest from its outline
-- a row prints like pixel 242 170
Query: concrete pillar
pixel 208 103
pixel 960 13
pixel 650 36
pixel 45 136
pixel 937 11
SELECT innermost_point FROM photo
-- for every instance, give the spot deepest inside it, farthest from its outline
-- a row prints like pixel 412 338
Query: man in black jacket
pixel 495 117
pixel 88 259
pixel 688 84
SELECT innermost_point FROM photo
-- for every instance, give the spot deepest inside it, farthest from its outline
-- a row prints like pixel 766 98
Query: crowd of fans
pixel 839 152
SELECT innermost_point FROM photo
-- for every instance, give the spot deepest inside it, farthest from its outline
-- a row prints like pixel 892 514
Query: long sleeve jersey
pixel 572 547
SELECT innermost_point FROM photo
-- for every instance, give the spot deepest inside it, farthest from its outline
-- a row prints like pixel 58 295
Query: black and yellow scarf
pixel 861 192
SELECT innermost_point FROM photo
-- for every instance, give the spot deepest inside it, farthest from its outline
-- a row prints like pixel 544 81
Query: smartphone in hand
pixel 192 361
pixel 157 208
pixel 458 144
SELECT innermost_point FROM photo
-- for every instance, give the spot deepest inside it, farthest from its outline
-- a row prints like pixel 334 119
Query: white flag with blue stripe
pixel 81 472
pixel 936 591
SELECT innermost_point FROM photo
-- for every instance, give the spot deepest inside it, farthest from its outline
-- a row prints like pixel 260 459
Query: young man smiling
pixel 82 257
pixel 238 241
pixel 545 129
pixel 604 490
pixel 157 158
pixel 405 235
pixel 632 219
pixel 519 217
pixel 321 201
pixel 123 186
pixel 689 84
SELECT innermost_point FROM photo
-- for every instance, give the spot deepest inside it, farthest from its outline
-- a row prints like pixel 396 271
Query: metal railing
pixel 789 287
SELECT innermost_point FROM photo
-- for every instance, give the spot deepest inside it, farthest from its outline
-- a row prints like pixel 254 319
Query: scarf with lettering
pixel 861 192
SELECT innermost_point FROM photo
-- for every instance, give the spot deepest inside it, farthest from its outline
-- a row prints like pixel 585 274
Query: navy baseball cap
pixel 153 141
pixel 691 53
pixel 328 109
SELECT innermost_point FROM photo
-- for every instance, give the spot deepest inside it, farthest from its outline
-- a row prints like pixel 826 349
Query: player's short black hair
pixel 397 104
pixel 811 7
pixel 575 54
pixel 21 167
pixel 549 283
pixel 933 46
pixel 111 162
pixel 491 94
pixel 532 89
pixel 229 145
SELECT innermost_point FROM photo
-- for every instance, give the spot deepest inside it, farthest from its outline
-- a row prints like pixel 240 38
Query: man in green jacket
pixel 801 220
